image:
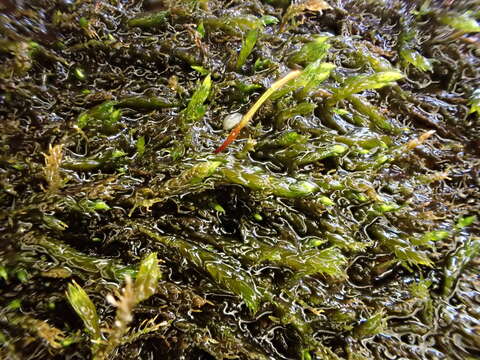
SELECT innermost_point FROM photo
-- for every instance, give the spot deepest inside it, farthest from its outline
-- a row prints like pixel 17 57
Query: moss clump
pixel 337 221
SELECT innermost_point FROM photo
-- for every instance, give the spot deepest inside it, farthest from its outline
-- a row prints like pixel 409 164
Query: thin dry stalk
pixel 249 115
pixel 51 169
pixel 124 304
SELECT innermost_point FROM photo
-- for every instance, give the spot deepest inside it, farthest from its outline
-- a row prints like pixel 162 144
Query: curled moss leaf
pixel 109 158
pixel 219 208
pixel 238 282
pixel 386 207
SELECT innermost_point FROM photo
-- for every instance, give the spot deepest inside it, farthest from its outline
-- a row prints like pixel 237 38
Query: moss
pixel 149 20
pixel 464 22
pixel 247 47
pixel 337 221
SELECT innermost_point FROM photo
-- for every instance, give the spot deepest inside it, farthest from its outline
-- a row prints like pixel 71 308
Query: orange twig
pixel 248 116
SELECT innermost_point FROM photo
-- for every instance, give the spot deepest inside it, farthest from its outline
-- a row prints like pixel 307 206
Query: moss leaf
pixel 361 83
pixel 85 309
pixel 147 278
pixel 464 23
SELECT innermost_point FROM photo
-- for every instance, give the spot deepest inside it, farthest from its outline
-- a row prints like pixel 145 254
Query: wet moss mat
pixel 239 179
